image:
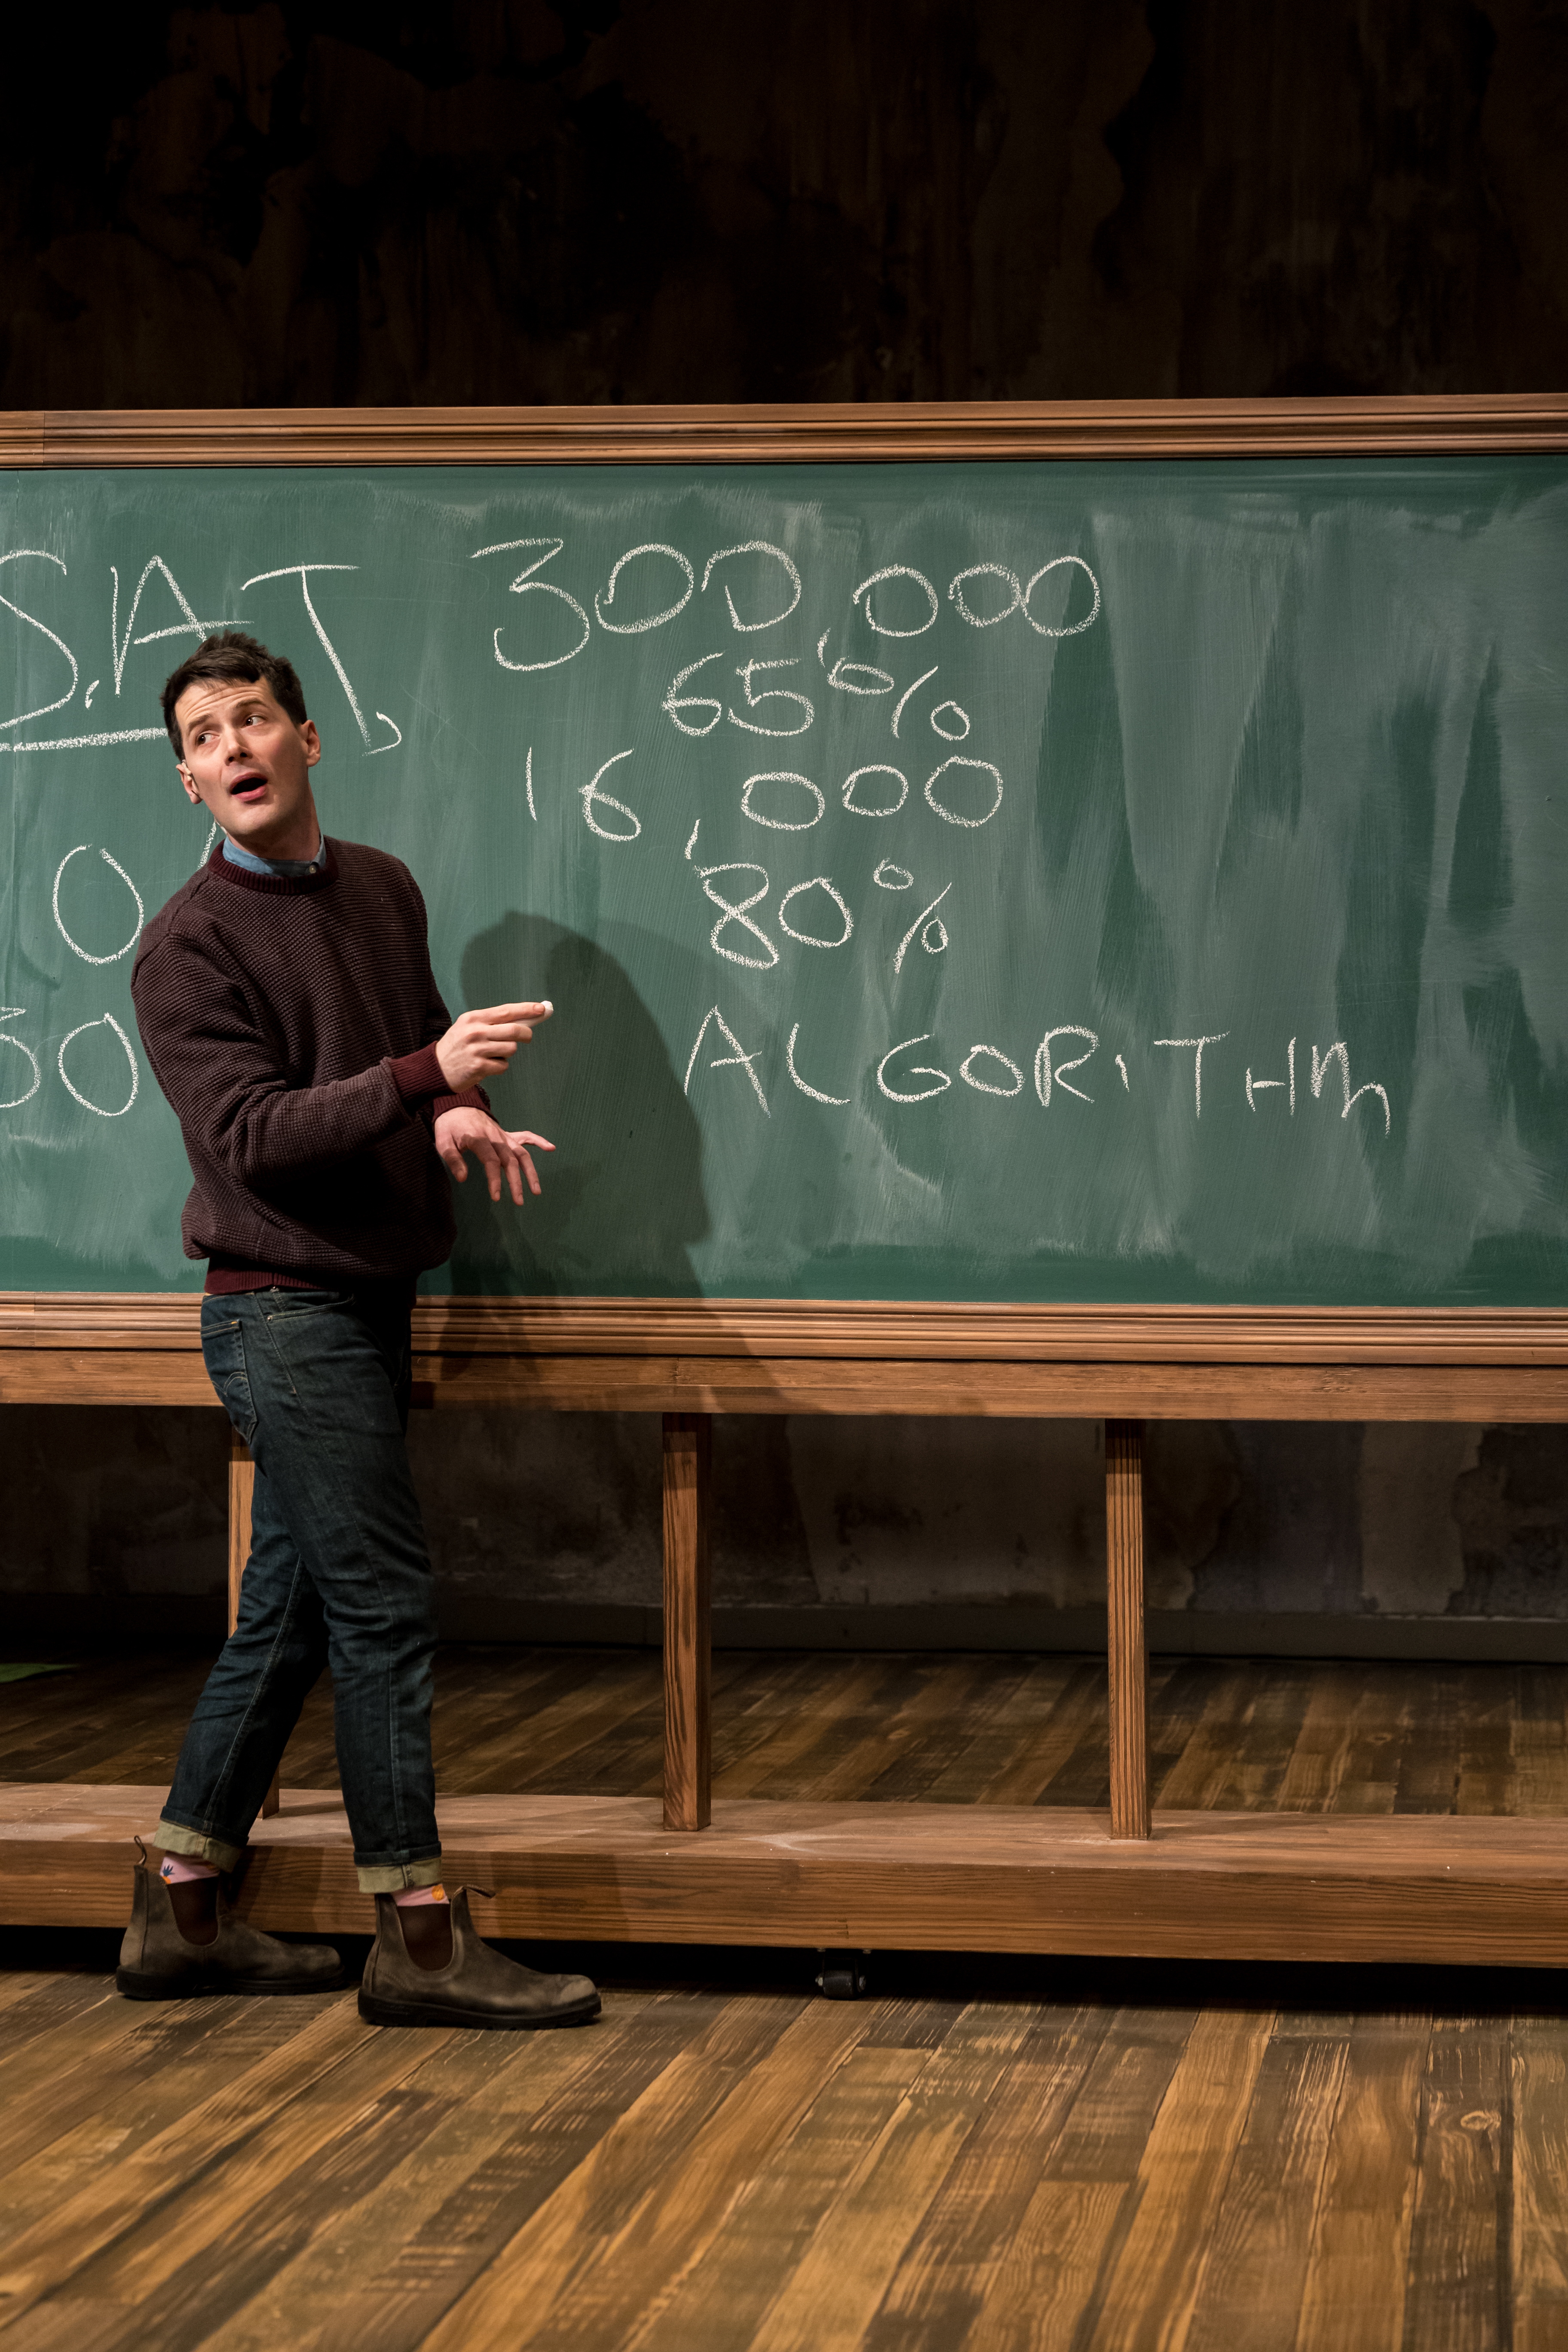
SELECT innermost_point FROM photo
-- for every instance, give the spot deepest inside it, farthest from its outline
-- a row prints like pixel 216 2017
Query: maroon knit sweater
pixel 291 1022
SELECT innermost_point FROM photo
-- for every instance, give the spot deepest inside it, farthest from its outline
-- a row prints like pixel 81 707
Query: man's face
pixel 249 763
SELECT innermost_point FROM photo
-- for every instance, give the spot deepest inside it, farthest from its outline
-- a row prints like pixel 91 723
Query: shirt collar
pixel 280 869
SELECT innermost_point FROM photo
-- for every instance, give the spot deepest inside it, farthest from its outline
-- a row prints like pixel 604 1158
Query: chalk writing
pixel 105 1020
pixel 770 694
pixel 593 799
pixel 17 1013
pixel 755 547
pixel 737 910
pixel 525 584
pixel 783 823
pixel 113 863
pixel 835 1102
pixel 302 573
pixel 932 931
pixel 654 620
pixel 1195 1046
pixel 887 808
pixel 40 556
pixel 1339 1052
pixel 739 1059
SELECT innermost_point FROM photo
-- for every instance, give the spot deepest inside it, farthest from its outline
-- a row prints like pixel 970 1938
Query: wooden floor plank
pixel 644 2263
pixel 42 2068
pixel 852 1746
pixel 393 2263
pixel 717 2306
pixel 45 2003
pixel 943 2286
pixel 100 2114
pixel 832 2296
pixel 563 2236
pixel 1047 2276
pixel 1155 2275
pixel 1486 1739
pixel 79 2229
pixel 1320 1774
pixel 1352 2298
pixel 1262 2237
pixel 345 2119
pixel 987 1747
pixel 1458 2299
pixel 1539 1741
pixel 1539 2222
pixel 1265 1734
pixel 910 1760
pixel 280 2207
pixel 1203 1775
pixel 777 1759
pixel 1068 1707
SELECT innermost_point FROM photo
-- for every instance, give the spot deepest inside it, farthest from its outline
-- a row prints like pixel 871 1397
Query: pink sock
pixel 178 1867
pixel 409 1896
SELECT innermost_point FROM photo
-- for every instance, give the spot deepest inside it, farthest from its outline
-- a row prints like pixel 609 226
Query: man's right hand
pixel 479 1045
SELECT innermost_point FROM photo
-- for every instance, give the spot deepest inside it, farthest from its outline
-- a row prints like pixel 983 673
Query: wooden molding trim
pixel 864 1330
pixel 1432 425
pixel 525 1383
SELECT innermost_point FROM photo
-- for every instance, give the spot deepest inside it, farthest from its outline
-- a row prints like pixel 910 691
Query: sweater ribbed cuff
pixel 419 1078
pixel 471 1098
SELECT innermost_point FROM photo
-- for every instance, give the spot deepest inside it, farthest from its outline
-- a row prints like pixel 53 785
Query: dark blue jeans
pixel 317 1384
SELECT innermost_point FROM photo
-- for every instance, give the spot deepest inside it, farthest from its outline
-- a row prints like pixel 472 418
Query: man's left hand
pixel 457 1131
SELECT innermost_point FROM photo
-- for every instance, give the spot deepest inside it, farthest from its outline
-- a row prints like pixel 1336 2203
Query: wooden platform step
pixel 1432 1887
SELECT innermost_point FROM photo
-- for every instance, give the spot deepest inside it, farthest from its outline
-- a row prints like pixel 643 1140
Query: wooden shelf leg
pixel 688 1622
pixel 1128 1642
pixel 241 1484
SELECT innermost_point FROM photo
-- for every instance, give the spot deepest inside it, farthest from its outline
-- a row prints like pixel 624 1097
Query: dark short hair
pixel 233 658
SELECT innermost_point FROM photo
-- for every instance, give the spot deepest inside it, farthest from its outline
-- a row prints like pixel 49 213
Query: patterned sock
pixel 178 1867
pixel 406 1896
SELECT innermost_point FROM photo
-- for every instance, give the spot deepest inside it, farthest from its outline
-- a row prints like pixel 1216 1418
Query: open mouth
pixel 248 789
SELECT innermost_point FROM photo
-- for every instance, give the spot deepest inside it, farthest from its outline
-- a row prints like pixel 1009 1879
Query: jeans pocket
pixel 223 1352
pixel 312 1303
pixel 335 1364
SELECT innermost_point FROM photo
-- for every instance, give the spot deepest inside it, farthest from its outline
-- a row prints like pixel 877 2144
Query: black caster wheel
pixel 841 1976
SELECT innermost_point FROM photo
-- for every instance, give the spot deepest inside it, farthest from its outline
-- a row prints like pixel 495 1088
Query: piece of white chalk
pixel 547 1004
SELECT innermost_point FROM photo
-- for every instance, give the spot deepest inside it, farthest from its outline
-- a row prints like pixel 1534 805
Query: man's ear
pixel 183 774
pixel 312 741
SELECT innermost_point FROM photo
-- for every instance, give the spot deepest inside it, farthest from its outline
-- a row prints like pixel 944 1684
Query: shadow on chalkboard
pixel 622 1196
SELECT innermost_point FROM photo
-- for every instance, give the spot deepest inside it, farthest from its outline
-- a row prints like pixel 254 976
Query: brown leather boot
pixel 473 1986
pixel 157 1963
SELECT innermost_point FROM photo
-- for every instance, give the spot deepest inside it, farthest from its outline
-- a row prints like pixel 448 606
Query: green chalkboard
pixel 886 838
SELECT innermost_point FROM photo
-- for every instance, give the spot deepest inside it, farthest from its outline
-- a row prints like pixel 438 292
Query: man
pixel 287 1006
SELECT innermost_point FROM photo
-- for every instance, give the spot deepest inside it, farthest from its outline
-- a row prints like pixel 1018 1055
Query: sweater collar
pixel 275 885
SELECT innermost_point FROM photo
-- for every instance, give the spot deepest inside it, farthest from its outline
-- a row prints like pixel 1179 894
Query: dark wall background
pixel 679 200
pixel 691 200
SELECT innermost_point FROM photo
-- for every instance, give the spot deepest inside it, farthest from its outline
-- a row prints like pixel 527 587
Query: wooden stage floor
pixel 983 2153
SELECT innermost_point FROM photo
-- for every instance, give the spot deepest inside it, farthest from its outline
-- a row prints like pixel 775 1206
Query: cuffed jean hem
pixel 390 1878
pixel 173 1837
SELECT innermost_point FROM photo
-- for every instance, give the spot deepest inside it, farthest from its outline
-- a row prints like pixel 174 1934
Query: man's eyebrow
pixel 242 702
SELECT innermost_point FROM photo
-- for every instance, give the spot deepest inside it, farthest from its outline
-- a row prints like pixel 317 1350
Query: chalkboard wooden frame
pixel 895 431
pixel 655 1355
pixel 1374 1890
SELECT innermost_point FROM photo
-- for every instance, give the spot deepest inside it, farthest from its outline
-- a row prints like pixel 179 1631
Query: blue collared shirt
pixel 284 869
